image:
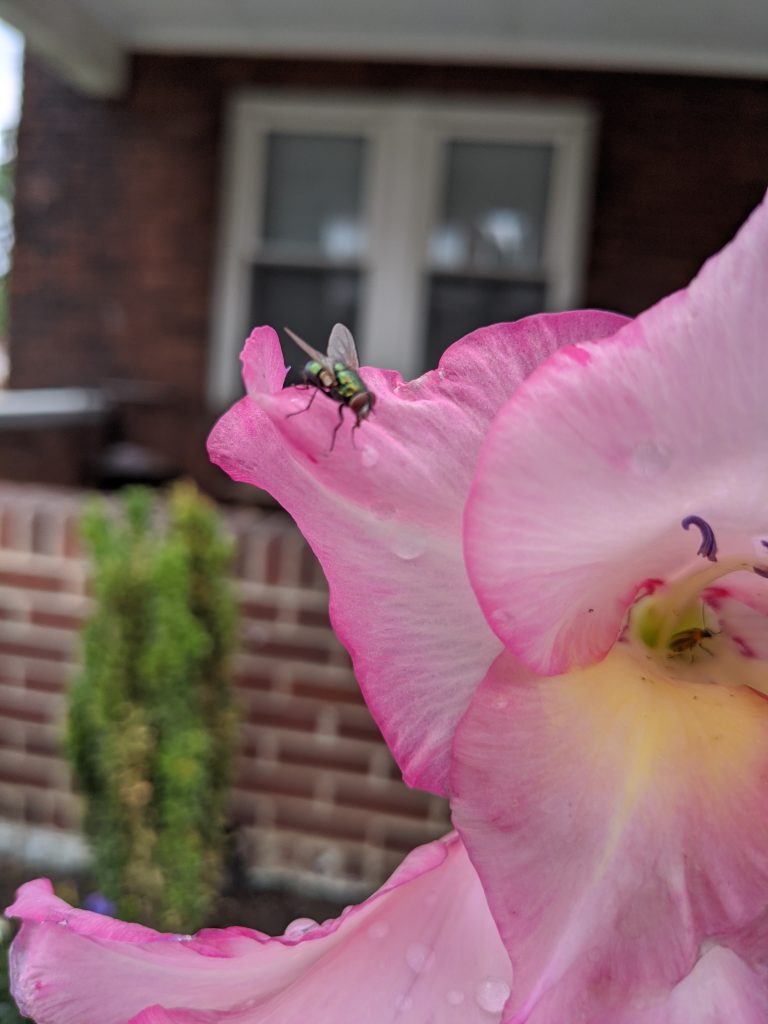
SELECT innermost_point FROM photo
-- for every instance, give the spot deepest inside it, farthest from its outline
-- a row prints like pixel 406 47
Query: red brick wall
pixel 117 206
pixel 316 789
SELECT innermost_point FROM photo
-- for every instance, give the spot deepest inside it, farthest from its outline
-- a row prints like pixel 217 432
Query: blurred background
pixel 185 169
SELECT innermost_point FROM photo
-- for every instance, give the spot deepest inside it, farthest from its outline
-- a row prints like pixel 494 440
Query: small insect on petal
pixel 335 375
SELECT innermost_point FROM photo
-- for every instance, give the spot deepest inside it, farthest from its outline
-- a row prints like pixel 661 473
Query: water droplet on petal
pixel 299 927
pixel 403 1003
pixel 419 958
pixel 491 994
pixel 649 459
pixel 369 456
pixel 454 997
pixel 499 618
pixel 379 930
pixel 298 403
pixel 63 922
pixel 409 543
pixel 383 510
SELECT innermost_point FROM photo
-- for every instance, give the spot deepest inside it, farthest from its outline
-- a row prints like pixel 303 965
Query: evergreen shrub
pixel 152 719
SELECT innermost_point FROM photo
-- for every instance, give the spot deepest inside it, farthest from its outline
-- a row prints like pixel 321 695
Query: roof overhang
pixel 89 41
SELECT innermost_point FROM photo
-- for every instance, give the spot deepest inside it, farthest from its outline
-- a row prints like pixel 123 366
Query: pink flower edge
pixel 423 947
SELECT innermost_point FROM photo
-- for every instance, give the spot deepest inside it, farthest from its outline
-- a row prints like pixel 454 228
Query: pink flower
pixel 547 560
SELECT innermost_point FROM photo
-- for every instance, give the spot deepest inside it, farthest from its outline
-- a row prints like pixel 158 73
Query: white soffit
pixel 76 45
pixel 710 37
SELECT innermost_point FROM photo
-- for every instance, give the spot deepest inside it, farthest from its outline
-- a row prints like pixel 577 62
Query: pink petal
pixel 589 470
pixel 423 948
pixel 385 518
pixel 742 614
pixel 721 989
pixel 617 824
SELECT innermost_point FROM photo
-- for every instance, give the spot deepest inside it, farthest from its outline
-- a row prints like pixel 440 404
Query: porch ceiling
pixel 712 37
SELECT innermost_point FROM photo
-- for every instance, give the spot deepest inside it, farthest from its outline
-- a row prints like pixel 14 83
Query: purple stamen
pixel 708 546
pixel 761 571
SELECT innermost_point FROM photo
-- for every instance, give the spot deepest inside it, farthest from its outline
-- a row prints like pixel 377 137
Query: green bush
pixel 9 1014
pixel 152 721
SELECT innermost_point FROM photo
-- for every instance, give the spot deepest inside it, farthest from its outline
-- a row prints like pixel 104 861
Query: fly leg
pixel 356 426
pixel 315 392
pixel 337 427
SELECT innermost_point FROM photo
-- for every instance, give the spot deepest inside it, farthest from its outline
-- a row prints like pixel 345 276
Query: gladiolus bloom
pixel 548 560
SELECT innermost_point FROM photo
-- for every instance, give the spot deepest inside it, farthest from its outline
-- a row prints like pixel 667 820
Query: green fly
pixel 335 374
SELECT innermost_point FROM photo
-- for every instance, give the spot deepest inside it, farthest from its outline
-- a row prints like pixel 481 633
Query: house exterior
pixel 187 170
pixel 183 175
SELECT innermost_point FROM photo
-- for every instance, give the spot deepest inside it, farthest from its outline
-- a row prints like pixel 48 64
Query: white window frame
pixel 401 196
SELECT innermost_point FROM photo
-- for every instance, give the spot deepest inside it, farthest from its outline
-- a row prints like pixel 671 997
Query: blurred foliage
pixel 9 1014
pixel 7 176
pixel 152 721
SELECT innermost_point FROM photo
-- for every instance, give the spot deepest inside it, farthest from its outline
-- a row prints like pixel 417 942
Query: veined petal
pixel 385 517
pixel 420 949
pixel 742 614
pixel 721 989
pixel 592 466
pixel 612 817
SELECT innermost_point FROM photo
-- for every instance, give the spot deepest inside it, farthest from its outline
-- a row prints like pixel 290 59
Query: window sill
pixel 26 408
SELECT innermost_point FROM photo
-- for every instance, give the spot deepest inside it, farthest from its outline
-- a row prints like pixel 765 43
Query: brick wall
pixel 116 212
pixel 317 793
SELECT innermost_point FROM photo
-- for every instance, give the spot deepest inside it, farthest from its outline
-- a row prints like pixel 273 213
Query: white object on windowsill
pixel 44 407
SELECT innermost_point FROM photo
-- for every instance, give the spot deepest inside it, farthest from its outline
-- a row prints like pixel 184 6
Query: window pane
pixel 313 193
pixel 310 302
pixel 460 305
pixel 493 206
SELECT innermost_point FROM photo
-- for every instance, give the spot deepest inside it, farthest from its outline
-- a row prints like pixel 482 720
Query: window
pixel 412 222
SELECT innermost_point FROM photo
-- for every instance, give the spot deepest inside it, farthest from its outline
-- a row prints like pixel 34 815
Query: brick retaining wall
pixel 317 794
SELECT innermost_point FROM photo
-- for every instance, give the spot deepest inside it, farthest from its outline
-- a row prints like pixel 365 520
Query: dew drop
pixel 408 544
pixel 299 927
pixel 379 930
pixel 649 459
pixel 499 618
pixel 63 922
pixel 383 510
pixel 369 456
pixel 419 958
pixel 403 1003
pixel 298 403
pixel 491 994
pixel 454 997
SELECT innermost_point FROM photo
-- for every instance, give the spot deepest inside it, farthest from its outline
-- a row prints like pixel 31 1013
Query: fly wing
pixel 311 352
pixel 341 347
